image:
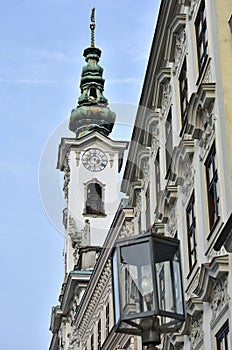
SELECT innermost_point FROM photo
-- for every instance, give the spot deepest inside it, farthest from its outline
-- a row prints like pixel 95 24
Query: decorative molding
pixel 66 179
pixel 111 159
pixel 177 341
pixel 180 49
pixel 127 229
pixel 78 157
pixel 193 285
pixel 96 303
pixel 138 201
pixel 155 140
pixel 197 333
pixel 65 217
pixel 220 299
pixel 172 221
pixel 216 269
pixel 188 178
pixel 208 121
pixel 146 174
pixel 214 253
pixel 193 7
pixel 166 98
pixel 208 78
pixel 79 238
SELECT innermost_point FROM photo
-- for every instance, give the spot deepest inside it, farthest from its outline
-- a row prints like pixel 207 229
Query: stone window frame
pixel 201 36
pixel 213 194
pixel 92 342
pixel 86 185
pixel 183 90
pixel 222 337
pixel 107 319
pixel 147 207
pixel 169 140
pixel 191 231
pixel 99 334
pixel 157 173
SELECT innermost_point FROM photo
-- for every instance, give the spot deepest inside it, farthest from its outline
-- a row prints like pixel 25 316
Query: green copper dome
pixel 92 111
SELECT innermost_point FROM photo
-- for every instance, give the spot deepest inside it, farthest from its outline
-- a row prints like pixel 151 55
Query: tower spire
pixel 92 27
pixel 92 112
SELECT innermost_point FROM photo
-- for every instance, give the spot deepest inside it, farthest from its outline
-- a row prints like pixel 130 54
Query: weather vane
pixel 92 26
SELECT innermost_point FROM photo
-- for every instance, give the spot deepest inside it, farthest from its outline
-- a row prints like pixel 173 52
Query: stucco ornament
pixel 172 221
pixel 197 333
pixel 193 7
pixel 179 50
pixel 127 229
pixel 95 305
pixel 208 123
pixel 192 287
pixel 78 157
pixel 155 140
pixel 138 202
pixel 66 179
pixel 166 99
pixel 65 218
pixel 146 174
pixel 188 178
pixel 79 238
pixel 208 75
pixel 220 298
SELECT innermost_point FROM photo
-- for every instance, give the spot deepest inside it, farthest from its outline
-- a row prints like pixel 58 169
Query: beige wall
pixel 223 13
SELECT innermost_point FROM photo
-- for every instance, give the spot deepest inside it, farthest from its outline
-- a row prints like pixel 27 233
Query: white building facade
pixel 177 182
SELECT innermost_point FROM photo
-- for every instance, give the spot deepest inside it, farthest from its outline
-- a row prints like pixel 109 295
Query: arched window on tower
pixel 94 198
pixel 93 92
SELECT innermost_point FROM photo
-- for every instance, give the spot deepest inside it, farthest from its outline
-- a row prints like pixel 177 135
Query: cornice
pixel 177 24
pixel 75 278
pixel 69 144
pixel 56 317
pixel 218 267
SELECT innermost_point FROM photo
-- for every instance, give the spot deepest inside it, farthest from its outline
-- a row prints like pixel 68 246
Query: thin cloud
pixel 26 81
pixel 130 80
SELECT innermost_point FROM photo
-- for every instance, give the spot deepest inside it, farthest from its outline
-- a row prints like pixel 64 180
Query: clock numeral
pixel 94 159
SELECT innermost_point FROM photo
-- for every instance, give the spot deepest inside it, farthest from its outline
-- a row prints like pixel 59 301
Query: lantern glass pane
pixel 137 292
pixel 169 280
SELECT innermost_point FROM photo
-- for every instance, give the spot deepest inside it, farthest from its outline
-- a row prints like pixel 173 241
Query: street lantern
pixel 147 286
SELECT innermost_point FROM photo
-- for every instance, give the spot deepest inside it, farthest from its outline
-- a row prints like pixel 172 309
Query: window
pixel 92 342
pixel 157 173
pixel 107 319
pixel 94 200
pixel 222 337
pixel 201 35
pixel 169 142
pixel 212 187
pixel 148 216
pixel 183 85
pixel 99 335
pixel 191 232
pixel 93 92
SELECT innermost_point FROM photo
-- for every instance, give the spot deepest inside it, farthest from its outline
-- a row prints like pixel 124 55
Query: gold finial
pixel 92 27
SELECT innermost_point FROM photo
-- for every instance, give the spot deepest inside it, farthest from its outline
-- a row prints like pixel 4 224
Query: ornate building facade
pixel 177 182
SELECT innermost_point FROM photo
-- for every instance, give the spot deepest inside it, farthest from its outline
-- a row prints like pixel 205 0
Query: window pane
pixel 201 35
pixel 213 187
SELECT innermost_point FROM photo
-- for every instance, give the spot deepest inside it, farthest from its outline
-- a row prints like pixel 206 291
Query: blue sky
pixel 40 64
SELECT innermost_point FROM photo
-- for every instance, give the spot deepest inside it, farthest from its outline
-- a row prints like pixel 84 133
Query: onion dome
pixel 92 112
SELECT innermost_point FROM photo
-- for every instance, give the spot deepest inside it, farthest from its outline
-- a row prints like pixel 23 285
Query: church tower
pixel 91 162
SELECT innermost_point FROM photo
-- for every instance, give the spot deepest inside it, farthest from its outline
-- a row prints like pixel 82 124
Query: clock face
pixel 94 159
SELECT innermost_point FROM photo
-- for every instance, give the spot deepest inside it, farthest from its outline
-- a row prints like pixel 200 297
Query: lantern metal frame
pixel 129 317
